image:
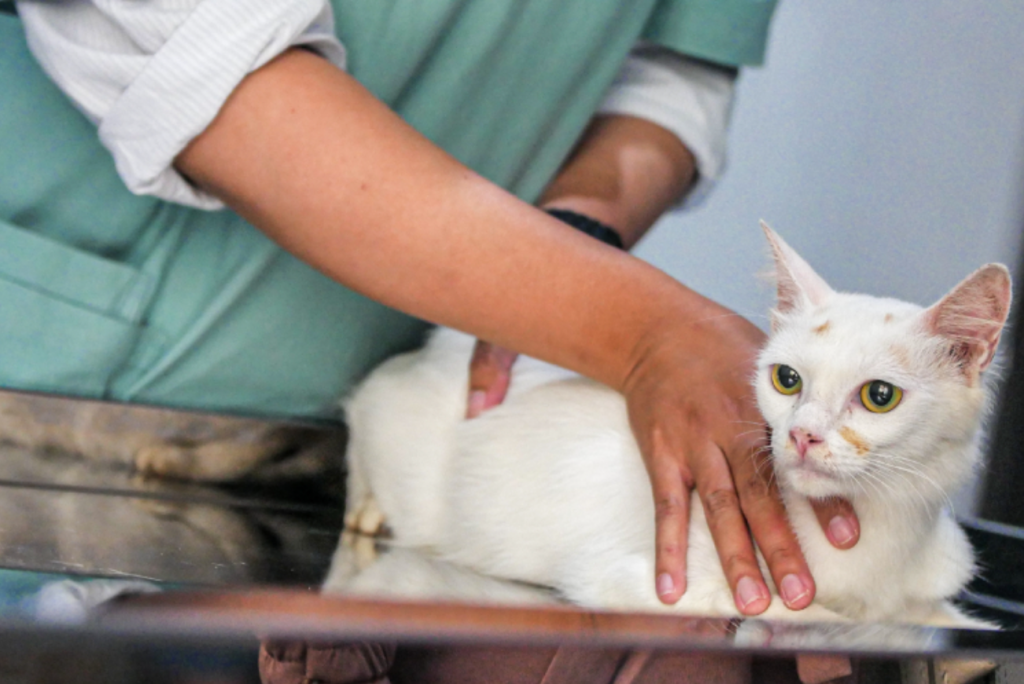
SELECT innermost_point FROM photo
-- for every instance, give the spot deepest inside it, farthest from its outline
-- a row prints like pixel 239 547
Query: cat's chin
pixel 812 483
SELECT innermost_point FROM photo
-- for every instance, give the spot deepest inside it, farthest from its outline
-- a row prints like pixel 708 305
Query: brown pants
pixel 301 663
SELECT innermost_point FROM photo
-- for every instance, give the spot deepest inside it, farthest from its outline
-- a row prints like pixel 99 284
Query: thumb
pixel 490 371
pixel 838 520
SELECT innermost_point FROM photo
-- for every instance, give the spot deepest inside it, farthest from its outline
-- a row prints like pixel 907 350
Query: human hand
pixel 490 370
pixel 692 409
pixel 686 384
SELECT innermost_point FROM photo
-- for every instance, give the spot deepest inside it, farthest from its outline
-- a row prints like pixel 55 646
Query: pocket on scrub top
pixel 68 319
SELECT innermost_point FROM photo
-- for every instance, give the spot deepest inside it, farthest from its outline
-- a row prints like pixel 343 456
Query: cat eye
pixel 786 380
pixel 879 396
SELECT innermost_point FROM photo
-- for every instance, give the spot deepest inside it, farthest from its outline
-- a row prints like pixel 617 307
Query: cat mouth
pixel 807 469
pixel 812 480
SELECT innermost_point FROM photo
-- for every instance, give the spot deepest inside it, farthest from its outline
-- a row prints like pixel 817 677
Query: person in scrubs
pixel 280 193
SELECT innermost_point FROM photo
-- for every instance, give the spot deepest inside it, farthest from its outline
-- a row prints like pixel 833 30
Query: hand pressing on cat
pixel 310 157
pixel 692 409
pixel 730 469
pixel 701 429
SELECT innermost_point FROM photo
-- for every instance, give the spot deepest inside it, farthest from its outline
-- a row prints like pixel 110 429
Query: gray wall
pixel 884 140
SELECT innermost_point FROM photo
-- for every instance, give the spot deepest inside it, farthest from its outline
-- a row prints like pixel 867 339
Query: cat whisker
pixel 897 494
pixel 731 314
pixel 917 477
pixel 760 423
pixel 770 481
pixel 749 432
pixel 877 482
pixel 760 463
pixel 914 468
pixel 893 500
pixel 876 475
pixel 863 486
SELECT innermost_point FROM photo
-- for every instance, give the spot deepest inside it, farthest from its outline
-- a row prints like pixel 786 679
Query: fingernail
pixel 665 584
pixel 477 402
pixel 748 591
pixel 841 530
pixel 792 589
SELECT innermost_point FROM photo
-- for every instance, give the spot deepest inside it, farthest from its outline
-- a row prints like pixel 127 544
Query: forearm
pixel 626 172
pixel 314 160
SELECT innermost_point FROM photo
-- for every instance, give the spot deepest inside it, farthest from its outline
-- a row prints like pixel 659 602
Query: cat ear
pixel 798 285
pixel 972 317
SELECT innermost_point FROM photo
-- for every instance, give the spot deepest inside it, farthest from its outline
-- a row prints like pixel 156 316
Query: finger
pixel 671 520
pixel 766 514
pixel 490 371
pixel 839 521
pixel 729 530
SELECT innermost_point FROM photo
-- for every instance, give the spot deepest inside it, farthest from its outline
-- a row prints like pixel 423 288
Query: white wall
pixel 884 140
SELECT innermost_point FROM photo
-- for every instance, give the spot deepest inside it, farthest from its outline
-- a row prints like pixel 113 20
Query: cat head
pixel 869 396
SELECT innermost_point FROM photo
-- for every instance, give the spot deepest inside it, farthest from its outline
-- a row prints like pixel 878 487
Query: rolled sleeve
pixel 153 76
pixel 689 98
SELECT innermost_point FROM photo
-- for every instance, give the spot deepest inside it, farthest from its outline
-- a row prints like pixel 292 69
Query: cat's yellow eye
pixel 786 380
pixel 879 396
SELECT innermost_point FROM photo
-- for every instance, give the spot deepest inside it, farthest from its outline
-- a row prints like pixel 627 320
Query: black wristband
pixel 585 224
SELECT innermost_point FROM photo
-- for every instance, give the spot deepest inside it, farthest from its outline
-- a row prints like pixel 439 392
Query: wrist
pixel 599 210
pixel 626 172
pixel 592 227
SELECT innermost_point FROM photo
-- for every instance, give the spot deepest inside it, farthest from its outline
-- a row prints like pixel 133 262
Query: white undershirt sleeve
pixel 153 75
pixel 691 99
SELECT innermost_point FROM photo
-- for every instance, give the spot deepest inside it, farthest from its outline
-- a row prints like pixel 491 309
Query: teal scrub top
pixel 110 295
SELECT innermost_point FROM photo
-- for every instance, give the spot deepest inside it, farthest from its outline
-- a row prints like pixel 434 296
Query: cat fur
pixel 549 487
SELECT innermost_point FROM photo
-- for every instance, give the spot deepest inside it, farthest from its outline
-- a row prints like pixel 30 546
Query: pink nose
pixel 804 440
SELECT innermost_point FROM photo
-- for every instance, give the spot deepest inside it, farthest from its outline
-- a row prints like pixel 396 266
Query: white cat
pixel 875 400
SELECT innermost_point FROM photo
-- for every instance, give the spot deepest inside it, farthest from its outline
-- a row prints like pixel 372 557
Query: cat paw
pixel 215 461
pixel 157 506
pixel 366 519
pixel 753 633
pixel 364 526
pixel 165 460
pixel 362 549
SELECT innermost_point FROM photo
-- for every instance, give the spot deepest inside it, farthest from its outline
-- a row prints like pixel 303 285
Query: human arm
pixel 322 166
pixel 663 109
pixel 127 128
pixel 626 172
pixel 310 157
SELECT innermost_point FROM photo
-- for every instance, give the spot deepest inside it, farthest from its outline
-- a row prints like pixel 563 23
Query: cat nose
pixel 804 439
